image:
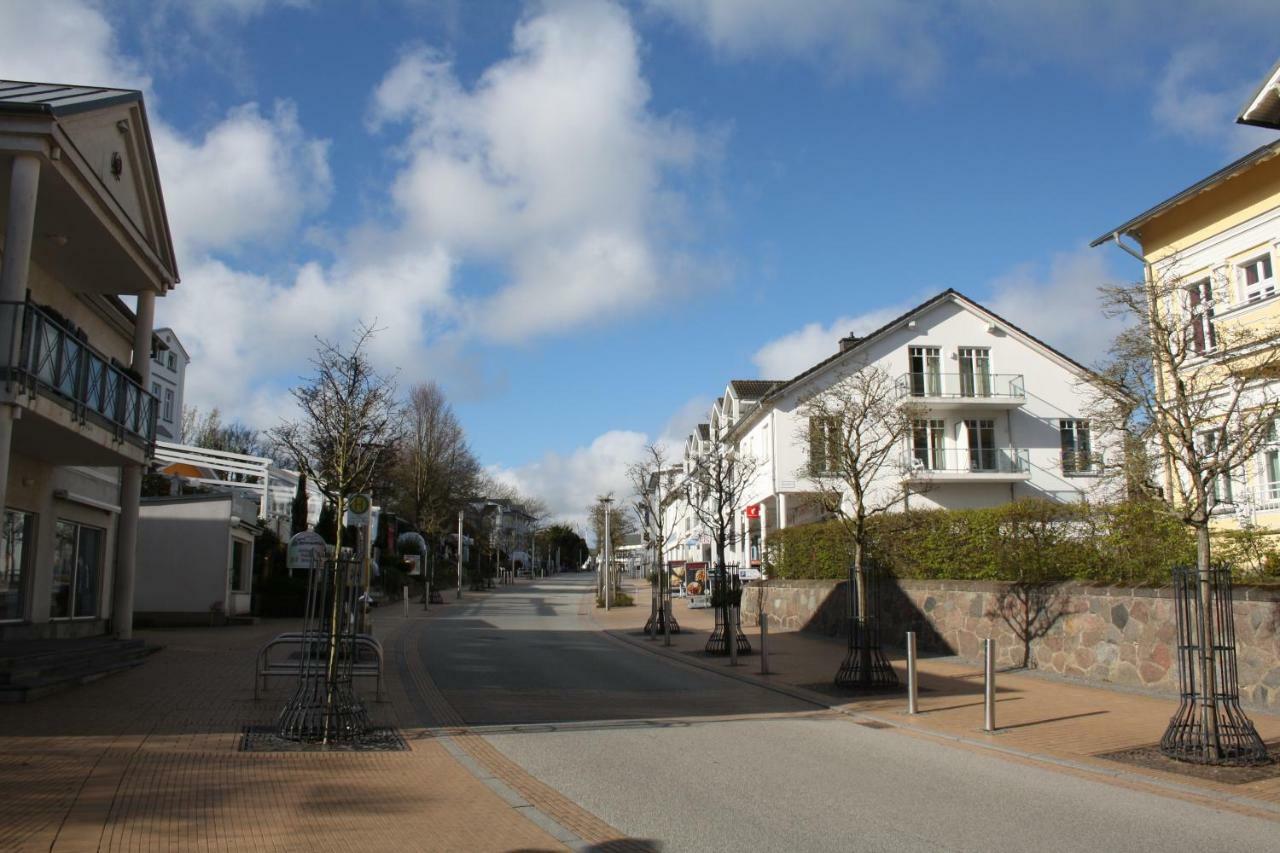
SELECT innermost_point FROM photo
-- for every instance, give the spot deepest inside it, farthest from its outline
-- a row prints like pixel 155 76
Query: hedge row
pixel 1028 540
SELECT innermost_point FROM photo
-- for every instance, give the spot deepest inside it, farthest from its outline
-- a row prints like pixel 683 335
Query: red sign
pixel 753 511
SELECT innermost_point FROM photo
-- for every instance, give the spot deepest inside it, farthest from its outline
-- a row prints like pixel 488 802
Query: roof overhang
pixel 1263 109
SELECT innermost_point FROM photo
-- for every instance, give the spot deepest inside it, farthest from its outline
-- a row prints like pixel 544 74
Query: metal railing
pixel 1081 464
pixel 976 386
pixel 1014 460
pixel 46 355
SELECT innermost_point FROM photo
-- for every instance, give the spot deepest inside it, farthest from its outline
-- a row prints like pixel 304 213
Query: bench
pixel 368 662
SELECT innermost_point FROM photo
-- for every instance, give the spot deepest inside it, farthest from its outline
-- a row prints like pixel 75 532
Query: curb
pixel 813 698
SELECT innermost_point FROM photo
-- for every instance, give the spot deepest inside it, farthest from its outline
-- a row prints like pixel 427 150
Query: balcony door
pixel 77 571
pixel 975 371
pixel 982 444
pixel 926 371
pixel 926 444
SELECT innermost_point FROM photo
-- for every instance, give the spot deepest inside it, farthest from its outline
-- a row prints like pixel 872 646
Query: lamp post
pixel 459 554
pixel 608 554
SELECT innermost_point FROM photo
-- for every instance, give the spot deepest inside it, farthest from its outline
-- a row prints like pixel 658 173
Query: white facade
pixel 168 375
pixel 1003 417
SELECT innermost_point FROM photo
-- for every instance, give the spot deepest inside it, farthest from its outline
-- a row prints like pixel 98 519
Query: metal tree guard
pixel 729 593
pixel 324 707
pixel 660 605
pixel 1209 726
pixel 865 665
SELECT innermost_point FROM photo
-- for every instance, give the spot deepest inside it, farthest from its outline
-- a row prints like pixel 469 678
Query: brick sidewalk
pixel 1064 723
pixel 148 760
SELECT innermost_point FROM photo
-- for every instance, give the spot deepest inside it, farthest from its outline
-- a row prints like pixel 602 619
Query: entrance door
pixel 77 571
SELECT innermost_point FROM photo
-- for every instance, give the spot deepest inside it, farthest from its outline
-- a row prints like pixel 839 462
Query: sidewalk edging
pixel 820 700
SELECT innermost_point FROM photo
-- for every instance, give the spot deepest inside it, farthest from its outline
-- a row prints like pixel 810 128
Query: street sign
pixel 749 574
pixel 753 511
pixel 306 550
pixel 358 507
pixel 414 562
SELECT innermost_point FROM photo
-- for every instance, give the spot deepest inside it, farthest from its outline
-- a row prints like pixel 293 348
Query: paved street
pixel 690 760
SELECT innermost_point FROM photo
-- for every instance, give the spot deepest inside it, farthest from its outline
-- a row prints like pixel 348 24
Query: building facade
pixel 83 224
pixel 168 376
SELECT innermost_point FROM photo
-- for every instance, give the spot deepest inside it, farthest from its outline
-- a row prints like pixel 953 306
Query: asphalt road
pixel 695 761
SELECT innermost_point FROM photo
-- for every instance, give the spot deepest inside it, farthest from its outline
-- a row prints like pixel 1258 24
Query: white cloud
pixel 1189 103
pixel 249 179
pixel 1059 303
pixel 568 483
pixel 63 41
pixel 552 165
pixel 795 352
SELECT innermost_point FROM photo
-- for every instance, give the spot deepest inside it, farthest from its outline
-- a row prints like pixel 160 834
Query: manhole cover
pixel 265 739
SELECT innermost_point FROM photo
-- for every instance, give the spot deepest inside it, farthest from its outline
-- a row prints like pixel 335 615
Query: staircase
pixel 30 669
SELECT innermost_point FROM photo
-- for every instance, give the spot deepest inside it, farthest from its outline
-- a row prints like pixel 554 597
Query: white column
pixel 24 185
pixel 782 511
pixel 131 483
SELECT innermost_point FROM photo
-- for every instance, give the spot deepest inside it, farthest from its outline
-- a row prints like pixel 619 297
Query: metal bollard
pixel 405 596
pixel 666 623
pixel 731 635
pixel 426 594
pixel 989 685
pixel 764 643
pixel 913 683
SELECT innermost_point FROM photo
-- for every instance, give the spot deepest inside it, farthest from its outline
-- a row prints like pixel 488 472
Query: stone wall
pixel 1107 634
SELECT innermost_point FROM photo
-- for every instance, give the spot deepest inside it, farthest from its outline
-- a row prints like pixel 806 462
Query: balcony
pixel 963 390
pixel 984 465
pixel 92 394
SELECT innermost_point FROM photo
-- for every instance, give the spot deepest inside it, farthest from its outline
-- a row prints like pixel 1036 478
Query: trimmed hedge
pixel 1030 540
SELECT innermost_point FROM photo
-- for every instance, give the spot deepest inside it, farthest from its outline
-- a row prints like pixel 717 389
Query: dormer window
pixel 1256 279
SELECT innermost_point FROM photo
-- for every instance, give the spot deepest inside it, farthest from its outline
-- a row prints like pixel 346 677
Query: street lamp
pixel 608 553
pixel 459 554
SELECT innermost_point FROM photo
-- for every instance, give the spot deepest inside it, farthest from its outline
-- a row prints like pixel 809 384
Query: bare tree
pixel 1202 392
pixel 349 423
pixel 857 431
pixel 652 479
pixel 208 430
pixel 437 471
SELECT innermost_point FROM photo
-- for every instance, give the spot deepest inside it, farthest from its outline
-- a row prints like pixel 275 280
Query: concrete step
pixel 31 669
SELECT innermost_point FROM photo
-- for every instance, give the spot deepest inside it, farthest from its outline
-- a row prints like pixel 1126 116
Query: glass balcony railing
pixel 923 461
pixel 994 386
pixel 47 356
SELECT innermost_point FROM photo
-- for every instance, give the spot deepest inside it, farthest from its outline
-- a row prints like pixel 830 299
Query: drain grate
pixel 265 739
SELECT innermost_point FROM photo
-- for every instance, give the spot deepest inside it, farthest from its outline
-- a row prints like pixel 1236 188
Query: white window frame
pixel 1077 427
pixel 1222 483
pixel 1200 315
pixel 168 404
pixel 1269 487
pixel 1264 288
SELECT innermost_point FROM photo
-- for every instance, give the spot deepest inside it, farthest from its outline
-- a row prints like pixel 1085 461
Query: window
pixel 975 372
pixel 926 371
pixel 765 443
pixel 824 444
pixel 1077 447
pixel 77 571
pixel 982 444
pixel 168 405
pixel 1256 281
pixel 16 546
pixel 155 390
pixel 239 567
pixel 926 444
pixel 1220 487
pixel 1271 466
pixel 173 360
pixel 1201 336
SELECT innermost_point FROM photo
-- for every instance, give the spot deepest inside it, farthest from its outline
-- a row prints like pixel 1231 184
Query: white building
pixel 1004 416
pixel 83 223
pixel 168 375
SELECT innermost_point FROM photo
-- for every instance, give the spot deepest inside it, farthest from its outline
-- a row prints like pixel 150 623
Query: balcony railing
pixel 45 355
pixel 961 386
pixel 1081 463
pixel 922 463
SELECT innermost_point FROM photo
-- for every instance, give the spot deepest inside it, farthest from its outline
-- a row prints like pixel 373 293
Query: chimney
pixel 849 342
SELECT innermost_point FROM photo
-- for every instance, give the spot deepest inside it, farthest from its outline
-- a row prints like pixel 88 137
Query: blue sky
pixel 583 218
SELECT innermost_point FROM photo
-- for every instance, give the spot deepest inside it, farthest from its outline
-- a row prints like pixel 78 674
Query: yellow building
pixel 1213 252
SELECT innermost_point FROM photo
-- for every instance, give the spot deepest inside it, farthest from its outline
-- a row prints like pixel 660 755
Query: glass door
pixel 77 571
pixel 926 441
pixel 975 372
pixel 982 444
pixel 16 546
pixel 926 371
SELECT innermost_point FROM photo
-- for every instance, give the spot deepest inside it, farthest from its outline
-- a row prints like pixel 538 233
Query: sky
pixel 584 217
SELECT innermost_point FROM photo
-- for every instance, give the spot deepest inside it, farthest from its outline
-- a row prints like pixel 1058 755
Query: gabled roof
pixel 1266 152
pixel 865 341
pixel 1263 108
pixel 752 389
pixel 176 340
pixel 60 99
pixel 704 431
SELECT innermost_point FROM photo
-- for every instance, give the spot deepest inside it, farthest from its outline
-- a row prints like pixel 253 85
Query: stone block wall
pixel 1106 634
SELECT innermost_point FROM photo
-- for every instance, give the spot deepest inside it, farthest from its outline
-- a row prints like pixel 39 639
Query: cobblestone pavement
pixel 148 760
pixel 1048 717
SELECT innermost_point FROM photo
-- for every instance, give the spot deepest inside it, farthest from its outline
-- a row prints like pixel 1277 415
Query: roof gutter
pixel 1118 238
